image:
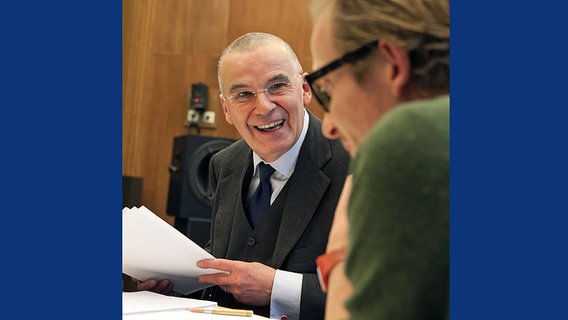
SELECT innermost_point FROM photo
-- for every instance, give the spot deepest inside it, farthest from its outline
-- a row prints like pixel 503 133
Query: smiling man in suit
pixel 270 263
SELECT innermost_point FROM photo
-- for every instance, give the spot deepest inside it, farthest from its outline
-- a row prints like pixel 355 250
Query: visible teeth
pixel 271 125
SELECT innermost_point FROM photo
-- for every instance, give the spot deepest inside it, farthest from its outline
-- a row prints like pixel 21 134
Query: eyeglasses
pixel 244 96
pixel 350 57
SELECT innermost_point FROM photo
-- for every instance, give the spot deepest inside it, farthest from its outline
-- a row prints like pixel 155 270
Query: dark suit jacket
pixel 313 192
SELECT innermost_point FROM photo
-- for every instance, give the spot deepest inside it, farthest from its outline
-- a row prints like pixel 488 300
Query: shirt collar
pixel 287 162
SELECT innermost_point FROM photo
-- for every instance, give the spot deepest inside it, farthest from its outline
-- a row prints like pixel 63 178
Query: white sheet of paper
pixel 184 315
pixel 152 248
pixel 147 301
pixel 146 305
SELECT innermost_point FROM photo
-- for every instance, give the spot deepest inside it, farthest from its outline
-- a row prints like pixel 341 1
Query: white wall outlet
pixel 209 117
pixel 192 116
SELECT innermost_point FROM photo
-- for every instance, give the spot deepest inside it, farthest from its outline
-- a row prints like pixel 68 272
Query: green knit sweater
pixel 399 215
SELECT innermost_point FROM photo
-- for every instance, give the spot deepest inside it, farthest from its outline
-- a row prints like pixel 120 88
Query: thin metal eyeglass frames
pixel 277 87
pixel 350 57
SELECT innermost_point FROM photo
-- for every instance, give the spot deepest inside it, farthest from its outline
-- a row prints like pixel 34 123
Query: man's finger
pixel 219 264
pixel 146 285
pixel 216 278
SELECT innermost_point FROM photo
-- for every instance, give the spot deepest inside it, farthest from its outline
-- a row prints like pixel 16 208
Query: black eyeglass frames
pixel 349 57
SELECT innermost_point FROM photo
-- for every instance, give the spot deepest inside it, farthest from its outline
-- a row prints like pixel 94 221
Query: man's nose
pixel 328 127
pixel 263 103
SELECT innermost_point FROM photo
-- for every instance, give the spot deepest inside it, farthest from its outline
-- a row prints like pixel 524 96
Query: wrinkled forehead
pixel 257 66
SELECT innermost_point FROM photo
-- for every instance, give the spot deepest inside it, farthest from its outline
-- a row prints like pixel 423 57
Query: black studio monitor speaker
pixel 190 194
pixel 199 96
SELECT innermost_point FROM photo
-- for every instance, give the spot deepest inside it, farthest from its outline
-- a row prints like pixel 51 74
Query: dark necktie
pixel 260 201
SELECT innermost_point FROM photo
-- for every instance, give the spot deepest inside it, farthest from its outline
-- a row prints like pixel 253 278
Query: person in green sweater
pixel 382 76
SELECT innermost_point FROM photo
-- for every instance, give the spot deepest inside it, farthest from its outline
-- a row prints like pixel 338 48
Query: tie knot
pixel 266 171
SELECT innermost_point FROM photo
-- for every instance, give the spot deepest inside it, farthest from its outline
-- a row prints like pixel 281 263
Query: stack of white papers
pixel 146 305
pixel 152 248
pixel 146 301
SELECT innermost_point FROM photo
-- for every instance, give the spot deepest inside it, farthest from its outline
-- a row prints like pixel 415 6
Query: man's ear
pixel 225 109
pixel 398 67
pixel 307 91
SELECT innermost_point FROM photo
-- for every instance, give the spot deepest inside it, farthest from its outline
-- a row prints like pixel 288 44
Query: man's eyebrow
pixel 279 77
pixel 237 86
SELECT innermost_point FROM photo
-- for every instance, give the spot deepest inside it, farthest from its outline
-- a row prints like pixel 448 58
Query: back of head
pixel 420 26
pixel 251 41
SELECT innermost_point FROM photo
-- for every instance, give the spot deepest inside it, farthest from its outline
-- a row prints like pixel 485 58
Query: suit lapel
pixel 232 186
pixel 303 200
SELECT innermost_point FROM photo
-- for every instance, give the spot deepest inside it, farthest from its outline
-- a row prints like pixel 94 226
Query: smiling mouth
pixel 274 125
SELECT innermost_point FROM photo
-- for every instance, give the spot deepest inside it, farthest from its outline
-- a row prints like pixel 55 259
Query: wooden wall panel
pixel 135 50
pixel 287 19
pixel 167 46
pixel 197 26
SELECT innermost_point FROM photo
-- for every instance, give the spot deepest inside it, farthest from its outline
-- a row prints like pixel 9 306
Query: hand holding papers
pixel 151 248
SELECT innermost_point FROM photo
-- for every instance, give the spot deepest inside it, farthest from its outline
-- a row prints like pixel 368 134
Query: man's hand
pixel 339 233
pixel 163 286
pixel 249 282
